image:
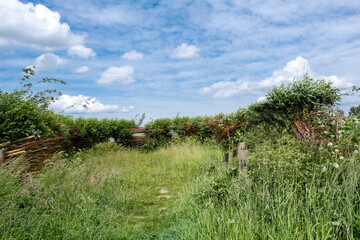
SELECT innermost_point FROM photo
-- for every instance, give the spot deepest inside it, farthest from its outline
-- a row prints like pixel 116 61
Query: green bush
pixel 159 130
pixel 354 110
pixel 285 102
pixel 24 113
pixel 21 117
pixel 87 132
pixel 178 125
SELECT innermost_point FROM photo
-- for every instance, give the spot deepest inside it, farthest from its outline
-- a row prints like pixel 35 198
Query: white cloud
pixel 295 69
pixel 337 82
pixel 35 26
pixel 185 51
pixel 81 51
pixel 133 55
pixel 108 14
pixel 224 89
pixel 127 109
pixel 3 41
pixel 122 75
pixel 82 69
pixel 48 62
pixel 261 99
pixel 81 104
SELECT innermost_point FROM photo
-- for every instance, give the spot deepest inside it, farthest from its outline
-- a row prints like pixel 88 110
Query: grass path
pixel 106 193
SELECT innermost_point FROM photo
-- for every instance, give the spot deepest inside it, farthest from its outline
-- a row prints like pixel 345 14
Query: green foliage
pixel 159 132
pixel 104 193
pixel 24 113
pixel 85 132
pixel 238 117
pixel 221 128
pixel 285 102
pixel 41 98
pixel 178 125
pixel 355 110
pixel 214 186
pixel 20 118
pixel 199 128
pixel 160 123
pixel 291 191
pixel 346 138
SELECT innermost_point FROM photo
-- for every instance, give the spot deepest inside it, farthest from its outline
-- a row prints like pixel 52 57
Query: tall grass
pixel 106 193
pixel 289 192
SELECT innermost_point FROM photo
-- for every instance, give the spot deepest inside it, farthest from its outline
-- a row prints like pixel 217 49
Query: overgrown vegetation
pixel 355 110
pixel 289 192
pixel 25 113
pixel 107 192
pixel 303 178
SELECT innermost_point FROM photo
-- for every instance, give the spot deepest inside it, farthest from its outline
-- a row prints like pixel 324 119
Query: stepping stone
pixel 163 190
pixel 165 196
pixel 162 209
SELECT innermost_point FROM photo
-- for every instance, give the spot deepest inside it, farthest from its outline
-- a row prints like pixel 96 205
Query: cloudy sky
pixel 186 57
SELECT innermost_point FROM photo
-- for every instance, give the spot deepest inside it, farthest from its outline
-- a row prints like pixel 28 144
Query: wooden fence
pixel 240 153
pixel 35 150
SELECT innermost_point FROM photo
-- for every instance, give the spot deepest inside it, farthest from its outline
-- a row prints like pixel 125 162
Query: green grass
pixel 289 192
pixel 106 193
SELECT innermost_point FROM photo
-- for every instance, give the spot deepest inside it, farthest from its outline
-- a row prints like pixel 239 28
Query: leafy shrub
pixel 285 102
pixel 20 118
pixel 178 125
pixel 354 110
pixel 87 132
pixel 24 113
pixel 159 129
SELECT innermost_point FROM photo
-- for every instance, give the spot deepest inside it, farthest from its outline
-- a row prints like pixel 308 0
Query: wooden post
pixel 234 153
pixel 226 157
pixel 2 156
pixel 231 156
pixel 242 157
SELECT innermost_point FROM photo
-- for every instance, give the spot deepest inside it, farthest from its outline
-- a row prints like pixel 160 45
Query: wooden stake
pixel 242 157
pixel 15 153
pixel 231 156
pixel 23 139
pixel 15 150
pixel 226 157
pixel 4 144
pixel 2 156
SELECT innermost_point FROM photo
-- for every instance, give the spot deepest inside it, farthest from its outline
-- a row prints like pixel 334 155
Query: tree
pixel 295 103
pixel 355 110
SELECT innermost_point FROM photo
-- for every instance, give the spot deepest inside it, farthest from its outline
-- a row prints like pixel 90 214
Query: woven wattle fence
pixel 35 151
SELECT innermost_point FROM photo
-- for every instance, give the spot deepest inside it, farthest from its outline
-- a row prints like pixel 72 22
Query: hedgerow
pixel 25 113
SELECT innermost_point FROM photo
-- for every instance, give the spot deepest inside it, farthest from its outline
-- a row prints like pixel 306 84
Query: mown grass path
pixel 107 193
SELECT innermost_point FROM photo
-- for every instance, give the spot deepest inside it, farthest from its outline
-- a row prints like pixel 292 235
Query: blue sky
pixel 184 57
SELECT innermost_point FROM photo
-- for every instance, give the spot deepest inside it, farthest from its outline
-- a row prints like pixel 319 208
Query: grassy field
pixel 106 193
pixel 291 191
pixel 183 191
